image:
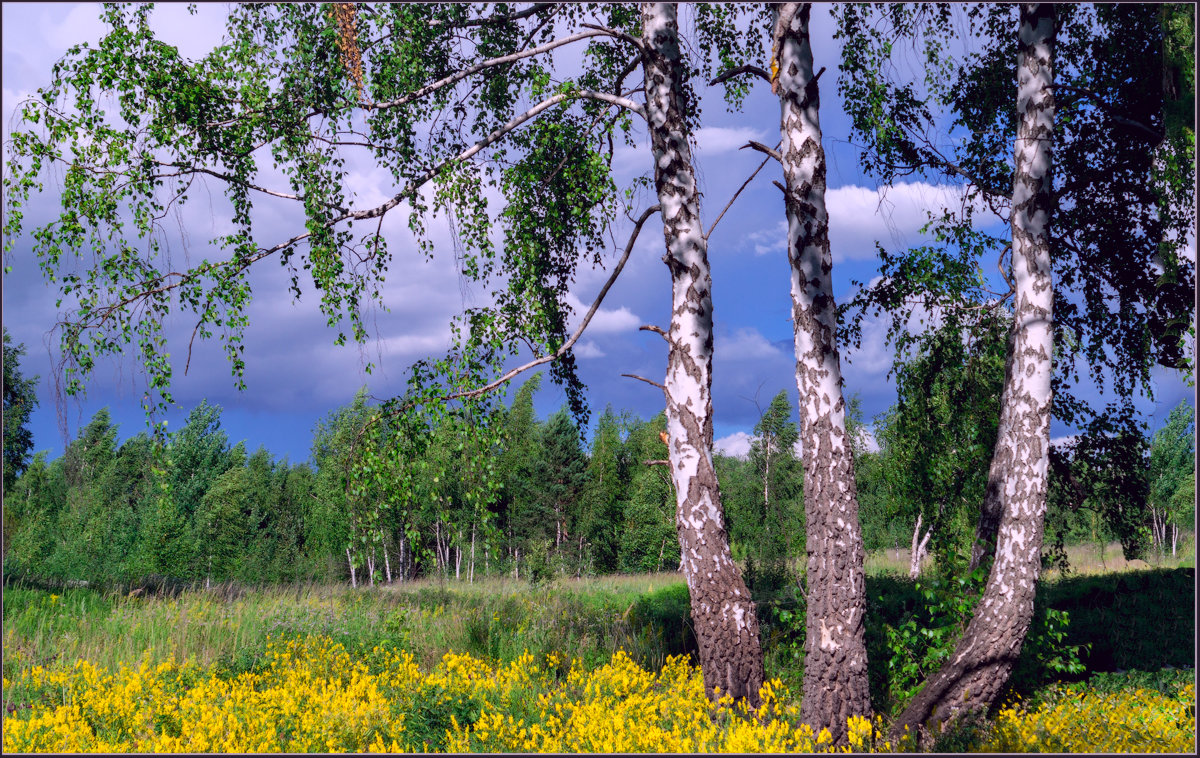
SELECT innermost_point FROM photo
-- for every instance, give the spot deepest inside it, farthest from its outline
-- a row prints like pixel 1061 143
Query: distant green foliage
pixel 649 541
pixel 204 511
pixel 781 518
pixel 1172 475
pixel 107 514
pixel 937 440
pixel 607 477
pixel 19 402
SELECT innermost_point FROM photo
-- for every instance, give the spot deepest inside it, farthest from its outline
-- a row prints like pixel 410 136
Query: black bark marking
pixel 730 657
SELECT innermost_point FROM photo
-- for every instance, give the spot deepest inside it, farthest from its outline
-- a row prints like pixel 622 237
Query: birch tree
pixel 1108 84
pixel 445 101
pixel 835 656
pixel 988 650
pixel 835 662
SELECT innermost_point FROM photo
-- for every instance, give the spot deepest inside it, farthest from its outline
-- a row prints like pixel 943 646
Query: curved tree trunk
pixel 835 655
pixel 722 612
pixel 983 659
pixel 992 507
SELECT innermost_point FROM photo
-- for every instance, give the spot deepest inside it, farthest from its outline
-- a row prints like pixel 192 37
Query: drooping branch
pixel 1098 100
pixel 490 139
pixel 182 170
pixel 490 20
pixel 739 71
pixel 458 76
pixel 582 325
pixel 162 284
pixel 739 191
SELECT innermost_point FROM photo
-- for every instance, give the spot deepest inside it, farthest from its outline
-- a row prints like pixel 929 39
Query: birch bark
pixel 835 657
pixel 984 658
pixel 722 612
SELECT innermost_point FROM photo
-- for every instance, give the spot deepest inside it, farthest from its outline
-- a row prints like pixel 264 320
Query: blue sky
pixel 295 373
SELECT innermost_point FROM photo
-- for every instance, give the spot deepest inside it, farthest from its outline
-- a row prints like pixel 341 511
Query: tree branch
pixel 583 324
pixel 1099 101
pixel 617 33
pixel 735 195
pixel 656 329
pixel 738 71
pixel 182 170
pixel 606 97
pixel 537 7
pixel 760 147
pixel 458 76
pixel 1004 274
pixel 647 381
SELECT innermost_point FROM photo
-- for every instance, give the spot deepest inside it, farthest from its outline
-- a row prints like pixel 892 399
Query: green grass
pixel 497 619
pixel 1106 558
pixel 1130 621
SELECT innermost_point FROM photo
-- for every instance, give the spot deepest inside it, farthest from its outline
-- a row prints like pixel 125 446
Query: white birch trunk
pixel 919 548
pixel 353 575
pixel 722 612
pixel 835 672
pixel 403 566
pixel 981 663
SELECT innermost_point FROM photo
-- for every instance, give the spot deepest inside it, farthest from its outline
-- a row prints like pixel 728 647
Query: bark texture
pixel 992 507
pixel 722 612
pixel 920 546
pixel 984 658
pixel 835 656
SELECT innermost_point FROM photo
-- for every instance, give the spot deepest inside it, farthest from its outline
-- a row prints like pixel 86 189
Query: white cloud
pixel 736 445
pixel 859 217
pixel 772 240
pixel 413 346
pixel 588 349
pixel 746 343
pixel 605 321
pixel 892 216
pixel 713 140
pixel 1066 439
pixel 869 443
pixel 873 355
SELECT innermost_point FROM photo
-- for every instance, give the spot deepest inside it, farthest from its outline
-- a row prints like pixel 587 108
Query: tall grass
pixel 1132 620
pixel 497 619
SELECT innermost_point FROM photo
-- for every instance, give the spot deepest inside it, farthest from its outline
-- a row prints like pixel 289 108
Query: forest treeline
pixel 205 509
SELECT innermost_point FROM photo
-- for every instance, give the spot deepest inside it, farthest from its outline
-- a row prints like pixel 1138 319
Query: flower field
pixel 596 665
pixel 310 694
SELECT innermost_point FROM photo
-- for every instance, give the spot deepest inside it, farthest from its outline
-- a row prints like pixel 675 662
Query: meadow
pixel 590 665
